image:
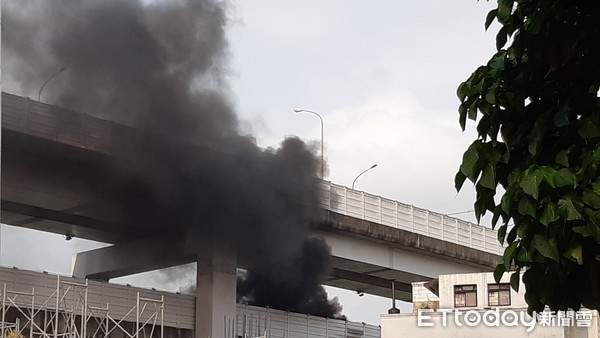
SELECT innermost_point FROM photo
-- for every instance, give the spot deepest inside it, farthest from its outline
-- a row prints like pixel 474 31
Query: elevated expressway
pixel 53 159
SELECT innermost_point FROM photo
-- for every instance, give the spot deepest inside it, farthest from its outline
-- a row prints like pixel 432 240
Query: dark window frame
pixel 464 290
pixel 499 289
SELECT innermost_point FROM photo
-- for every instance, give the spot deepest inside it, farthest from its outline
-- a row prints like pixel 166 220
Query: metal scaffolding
pixel 66 313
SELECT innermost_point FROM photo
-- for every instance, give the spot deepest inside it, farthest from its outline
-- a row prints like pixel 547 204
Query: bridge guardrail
pixel 362 205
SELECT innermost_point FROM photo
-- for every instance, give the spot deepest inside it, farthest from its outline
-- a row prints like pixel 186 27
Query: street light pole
pixel 369 168
pixel 48 80
pixel 298 110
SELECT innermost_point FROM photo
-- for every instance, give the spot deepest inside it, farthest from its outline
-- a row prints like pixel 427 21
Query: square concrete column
pixel 216 292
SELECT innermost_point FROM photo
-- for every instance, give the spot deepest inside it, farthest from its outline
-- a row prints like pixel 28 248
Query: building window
pixel 498 294
pixel 465 295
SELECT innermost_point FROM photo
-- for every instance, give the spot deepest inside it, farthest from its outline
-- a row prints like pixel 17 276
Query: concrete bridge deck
pixel 51 158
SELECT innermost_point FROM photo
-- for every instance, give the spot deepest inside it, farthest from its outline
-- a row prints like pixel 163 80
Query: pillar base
pixel 216 292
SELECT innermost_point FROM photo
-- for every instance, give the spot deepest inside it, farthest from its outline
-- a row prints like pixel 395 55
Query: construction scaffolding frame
pixel 66 312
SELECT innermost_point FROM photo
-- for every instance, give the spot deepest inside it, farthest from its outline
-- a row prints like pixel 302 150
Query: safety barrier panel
pixel 362 205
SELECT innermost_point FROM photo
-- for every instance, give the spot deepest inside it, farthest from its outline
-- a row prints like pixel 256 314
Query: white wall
pixel 407 325
pixel 447 283
pixel 421 294
pixel 484 320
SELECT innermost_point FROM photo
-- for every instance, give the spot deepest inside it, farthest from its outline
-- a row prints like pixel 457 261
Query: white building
pixel 474 305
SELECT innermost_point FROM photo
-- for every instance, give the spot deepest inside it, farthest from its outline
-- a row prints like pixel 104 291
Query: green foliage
pixel 537 109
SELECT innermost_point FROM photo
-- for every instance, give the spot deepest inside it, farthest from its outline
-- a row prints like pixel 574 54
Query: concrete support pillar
pixel 216 292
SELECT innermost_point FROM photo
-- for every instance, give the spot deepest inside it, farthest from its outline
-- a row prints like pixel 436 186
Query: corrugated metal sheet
pixel 179 310
pixel 253 321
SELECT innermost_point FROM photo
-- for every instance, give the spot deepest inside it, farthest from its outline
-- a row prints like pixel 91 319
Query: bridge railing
pixel 362 205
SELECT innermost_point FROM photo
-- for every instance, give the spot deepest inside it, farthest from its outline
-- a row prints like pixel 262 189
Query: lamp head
pixel 373 166
pixel 297 110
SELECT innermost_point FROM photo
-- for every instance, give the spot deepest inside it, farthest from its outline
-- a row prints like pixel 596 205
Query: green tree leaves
pixel 530 183
pixel 537 112
pixel 549 214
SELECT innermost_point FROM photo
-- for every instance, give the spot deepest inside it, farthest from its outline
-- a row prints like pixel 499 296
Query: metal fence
pixel 260 322
pixel 362 205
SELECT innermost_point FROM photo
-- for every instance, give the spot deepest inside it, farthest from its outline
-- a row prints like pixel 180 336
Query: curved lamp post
pixel 299 110
pixel 371 167
pixel 460 212
pixel 48 80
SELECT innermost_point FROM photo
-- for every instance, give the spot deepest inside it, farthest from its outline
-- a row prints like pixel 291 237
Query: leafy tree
pixel 537 109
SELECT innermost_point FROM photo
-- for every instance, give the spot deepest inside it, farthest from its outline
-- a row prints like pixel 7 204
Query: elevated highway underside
pixel 55 161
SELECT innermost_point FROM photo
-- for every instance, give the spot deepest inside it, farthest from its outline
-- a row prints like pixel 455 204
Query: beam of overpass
pixel 96 228
pixel 366 256
pixel 132 257
pixel 156 253
pixel 383 240
pixel 403 290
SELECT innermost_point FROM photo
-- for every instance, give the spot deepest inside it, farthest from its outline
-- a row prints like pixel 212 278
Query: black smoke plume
pixel 296 283
pixel 161 67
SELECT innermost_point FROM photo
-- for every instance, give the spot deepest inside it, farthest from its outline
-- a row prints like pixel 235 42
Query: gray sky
pixel 382 74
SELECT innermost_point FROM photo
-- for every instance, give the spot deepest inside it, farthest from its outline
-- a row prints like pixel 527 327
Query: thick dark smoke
pixel 296 283
pixel 161 66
